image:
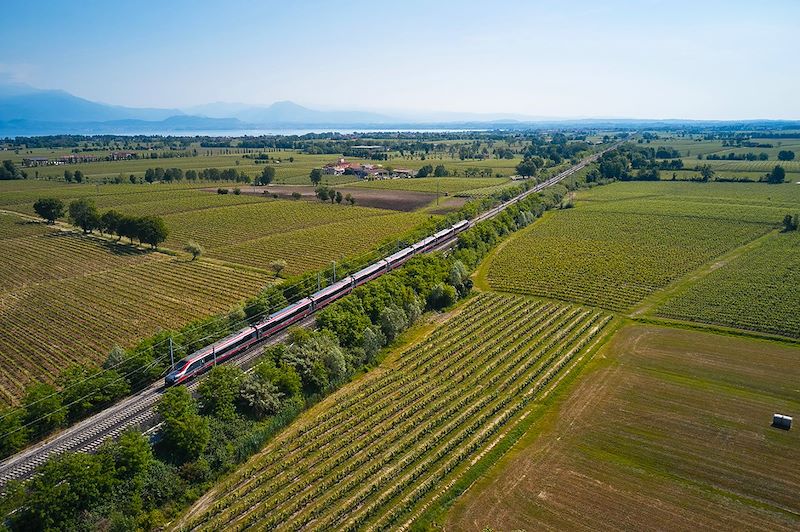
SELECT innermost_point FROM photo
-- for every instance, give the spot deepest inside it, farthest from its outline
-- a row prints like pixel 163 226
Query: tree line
pixel 83 213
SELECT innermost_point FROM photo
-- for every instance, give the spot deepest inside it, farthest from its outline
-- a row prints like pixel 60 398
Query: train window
pixel 195 366
pixel 208 358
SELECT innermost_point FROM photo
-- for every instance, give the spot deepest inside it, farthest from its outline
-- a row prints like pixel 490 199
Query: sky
pixel 700 59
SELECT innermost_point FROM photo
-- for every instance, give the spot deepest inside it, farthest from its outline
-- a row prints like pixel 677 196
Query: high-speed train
pixel 222 350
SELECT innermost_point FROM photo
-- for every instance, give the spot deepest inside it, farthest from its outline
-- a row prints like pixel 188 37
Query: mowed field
pixel 66 298
pixel 666 429
pixel 381 450
pixel 624 241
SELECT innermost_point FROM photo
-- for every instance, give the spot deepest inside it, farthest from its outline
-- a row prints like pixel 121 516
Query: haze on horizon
pixel 621 59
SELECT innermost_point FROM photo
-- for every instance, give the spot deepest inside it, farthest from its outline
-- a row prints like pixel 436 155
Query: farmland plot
pixel 381 449
pixel 67 298
pixel 611 260
pixel 759 290
pixel 668 429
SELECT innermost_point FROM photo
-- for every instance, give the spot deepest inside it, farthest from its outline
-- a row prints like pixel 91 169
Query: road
pixel 138 410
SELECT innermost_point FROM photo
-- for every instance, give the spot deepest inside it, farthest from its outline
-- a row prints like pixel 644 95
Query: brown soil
pixel 396 200
pixel 670 430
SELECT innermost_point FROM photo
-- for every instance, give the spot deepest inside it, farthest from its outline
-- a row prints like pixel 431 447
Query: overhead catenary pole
pixel 334 271
pixel 171 354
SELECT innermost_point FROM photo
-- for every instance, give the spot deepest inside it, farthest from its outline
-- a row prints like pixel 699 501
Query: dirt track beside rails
pixel 396 200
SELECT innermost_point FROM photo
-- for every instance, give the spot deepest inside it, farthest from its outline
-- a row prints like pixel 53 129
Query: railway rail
pixel 138 410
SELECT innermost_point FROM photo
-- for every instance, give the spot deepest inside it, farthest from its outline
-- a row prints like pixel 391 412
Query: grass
pixel 379 451
pixel 667 428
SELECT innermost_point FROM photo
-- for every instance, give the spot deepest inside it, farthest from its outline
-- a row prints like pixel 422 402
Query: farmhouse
pixel 35 161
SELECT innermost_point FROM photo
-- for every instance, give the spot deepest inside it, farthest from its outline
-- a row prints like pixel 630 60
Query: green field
pixel 379 451
pixel 67 298
pixel 758 290
pixel 666 429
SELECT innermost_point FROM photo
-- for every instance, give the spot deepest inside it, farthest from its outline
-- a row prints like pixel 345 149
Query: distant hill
pixel 287 113
pixel 22 102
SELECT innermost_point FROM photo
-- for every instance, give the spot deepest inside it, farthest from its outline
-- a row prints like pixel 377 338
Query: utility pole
pixel 171 354
pixel 214 352
pixel 334 271
pixel 318 282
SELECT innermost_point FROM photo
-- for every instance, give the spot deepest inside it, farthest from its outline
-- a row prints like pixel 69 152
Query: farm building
pixel 782 422
pixel 36 161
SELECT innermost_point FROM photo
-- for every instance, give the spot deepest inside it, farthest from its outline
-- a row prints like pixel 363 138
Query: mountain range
pixel 27 111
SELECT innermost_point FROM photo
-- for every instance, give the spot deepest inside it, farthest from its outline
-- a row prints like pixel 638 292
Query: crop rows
pixel 81 317
pixel 757 291
pixel 226 226
pixel 611 260
pixel 378 447
pixel 315 247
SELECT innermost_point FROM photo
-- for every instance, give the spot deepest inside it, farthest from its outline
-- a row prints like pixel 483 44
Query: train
pixel 204 359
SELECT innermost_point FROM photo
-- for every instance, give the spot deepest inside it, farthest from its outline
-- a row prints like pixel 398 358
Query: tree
pixel 194 248
pixel 323 193
pixel 530 166
pixel 283 377
pixel 14 435
pixel 8 171
pixel 49 208
pixel 260 398
pixel 277 266
pixel 185 432
pixel 68 176
pixel 66 487
pixel 109 221
pixel 267 176
pixel 131 453
pixel 706 172
pixel 219 390
pixel 393 321
pixel 785 155
pixel 43 408
pixel 315 176
pixel 83 213
pixel 87 388
pixel 151 230
pixel 777 175
pixel 790 223
pixel 78 176
pixel 440 171
pixel 442 296
pixel 425 171
pixel 350 199
pixel 339 197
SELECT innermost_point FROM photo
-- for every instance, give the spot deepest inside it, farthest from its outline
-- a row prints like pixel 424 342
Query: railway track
pixel 138 410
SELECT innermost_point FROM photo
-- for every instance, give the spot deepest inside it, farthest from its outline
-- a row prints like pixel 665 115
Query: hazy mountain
pixel 22 102
pixel 287 113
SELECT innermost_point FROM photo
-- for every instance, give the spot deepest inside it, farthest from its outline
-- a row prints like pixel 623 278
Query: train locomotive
pixel 233 344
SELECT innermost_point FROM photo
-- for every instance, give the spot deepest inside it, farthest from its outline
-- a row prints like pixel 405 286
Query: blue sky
pixel 649 58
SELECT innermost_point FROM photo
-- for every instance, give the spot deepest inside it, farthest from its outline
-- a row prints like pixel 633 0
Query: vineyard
pixel 66 298
pixel 314 248
pixel 381 450
pixel 226 226
pixel 758 291
pixel 610 260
